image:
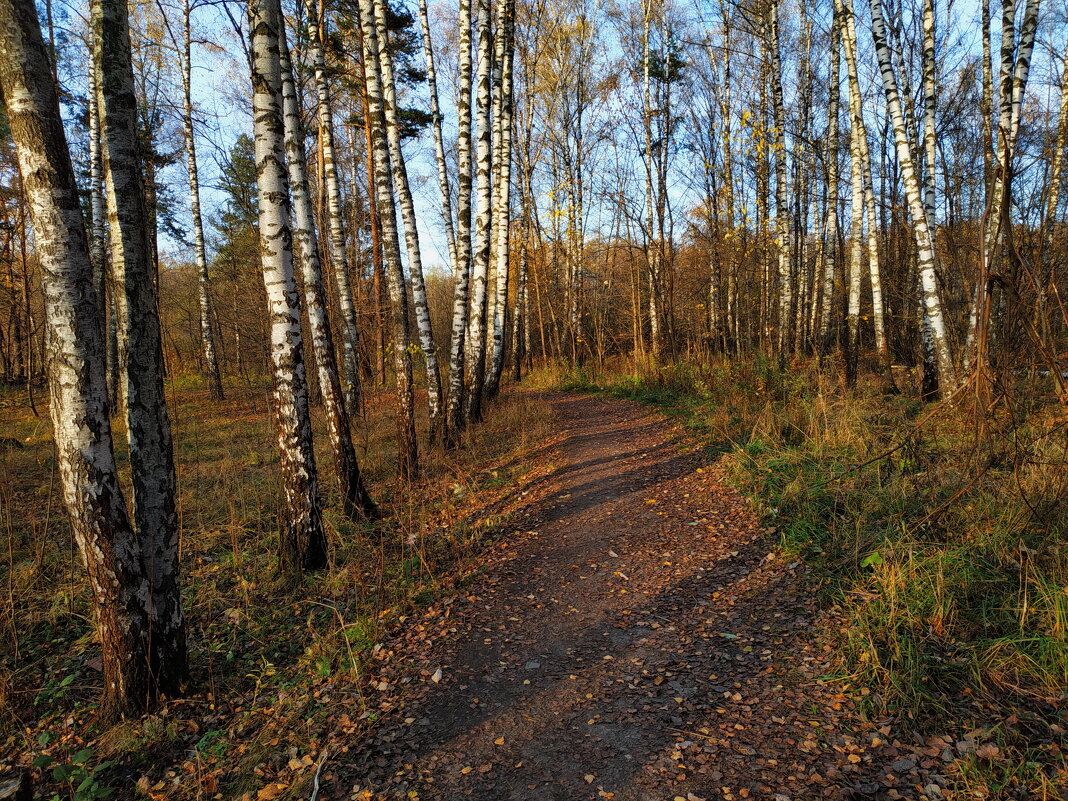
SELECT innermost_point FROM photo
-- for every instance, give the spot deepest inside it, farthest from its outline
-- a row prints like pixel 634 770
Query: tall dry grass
pixel 261 652
pixel 941 539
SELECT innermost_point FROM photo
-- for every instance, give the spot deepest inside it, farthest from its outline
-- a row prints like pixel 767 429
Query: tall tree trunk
pixel 98 248
pixel 454 417
pixel 856 105
pixel 856 231
pixel 483 219
pixel 782 217
pixel 211 362
pixel 356 501
pixel 932 302
pixel 831 232
pixel 335 227
pixel 986 102
pixel 403 189
pixel 79 409
pixel 378 281
pixel 303 543
pixel 502 225
pixel 407 446
pixel 1015 68
pixel 151 450
pixel 439 139
pixel 652 250
pixel 930 104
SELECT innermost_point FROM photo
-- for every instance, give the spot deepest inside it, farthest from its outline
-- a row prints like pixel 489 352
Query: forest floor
pixel 640 636
pixel 586 601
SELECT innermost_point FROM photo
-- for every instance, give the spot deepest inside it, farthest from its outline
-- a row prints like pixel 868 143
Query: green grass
pixel 947 553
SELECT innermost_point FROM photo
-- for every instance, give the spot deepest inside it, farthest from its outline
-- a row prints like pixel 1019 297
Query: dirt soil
pixel 635 634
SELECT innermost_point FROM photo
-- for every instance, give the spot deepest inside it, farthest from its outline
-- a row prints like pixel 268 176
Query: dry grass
pixel 270 664
pixel 943 546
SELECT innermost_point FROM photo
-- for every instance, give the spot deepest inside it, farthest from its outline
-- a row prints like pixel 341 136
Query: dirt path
pixel 640 638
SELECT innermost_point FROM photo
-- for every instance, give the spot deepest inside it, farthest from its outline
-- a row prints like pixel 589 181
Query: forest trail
pixel 639 638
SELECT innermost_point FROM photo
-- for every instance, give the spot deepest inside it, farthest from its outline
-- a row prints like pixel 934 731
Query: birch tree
pixel 935 326
pixel 98 248
pixel 335 228
pixel 439 139
pixel 211 362
pixel 782 218
pixel 483 220
pixel 407 445
pixel 866 199
pixel 411 229
pixel 356 501
pixel 831 229
pixel 151 450
pixel 110 550
pixel 501 226
pixel 302 543
pixel 454 421
pixel 1015 68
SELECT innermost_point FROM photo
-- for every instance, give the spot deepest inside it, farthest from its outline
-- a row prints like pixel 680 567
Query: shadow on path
pixel 641 640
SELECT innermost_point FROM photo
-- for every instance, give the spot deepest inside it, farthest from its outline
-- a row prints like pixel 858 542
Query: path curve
pixel 640 638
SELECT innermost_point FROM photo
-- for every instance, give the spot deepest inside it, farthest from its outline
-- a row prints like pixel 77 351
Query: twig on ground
pixel 318 770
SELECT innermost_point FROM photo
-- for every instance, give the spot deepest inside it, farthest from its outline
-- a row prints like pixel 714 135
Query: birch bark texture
pixel 407 444
pixel 439 139
pixel 81 423
pixel 151 449
pixel 302 541
pixel 782 217
pixel 356 501
pixel 454 414
pixel 483 216
pixel 935 327
pixel 335 228
pixel 427 343
pixel 502 212
pixel 831 231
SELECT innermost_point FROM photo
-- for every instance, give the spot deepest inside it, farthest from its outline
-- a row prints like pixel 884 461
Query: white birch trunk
pixel 439 139
pixel 483 219
pixel 335 228
pixel 831 234
pixel 856 105
pixel 207 338
pixel 356 501
pixel 782 217
pixel 932 302
pixel 1015 68
pixel 303 544
pixel 407 446
pixel 454 422
pixel 79 407
pixel 930 103
pixel 411 229
pixel 502 225
pixel 856 231
pixel 151 450
pixel 652 251
pixel 98 228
